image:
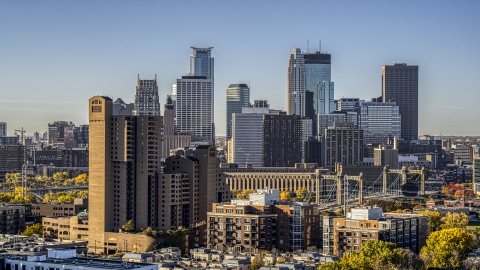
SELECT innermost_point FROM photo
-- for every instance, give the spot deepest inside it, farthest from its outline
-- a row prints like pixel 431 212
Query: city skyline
pixel 57 55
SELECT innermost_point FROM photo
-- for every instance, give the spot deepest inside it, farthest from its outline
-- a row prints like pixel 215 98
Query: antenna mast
pixel 320 46
pixel 308 46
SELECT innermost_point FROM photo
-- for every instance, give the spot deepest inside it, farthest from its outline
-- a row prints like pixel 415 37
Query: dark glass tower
pixel 400 85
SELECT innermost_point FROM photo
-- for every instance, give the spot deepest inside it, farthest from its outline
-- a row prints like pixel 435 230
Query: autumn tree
pixel 36 228
pixel 447 248
pixel 280 259
pixel 411 261
pixel 81 179
pixel 257 262
pixel 373 255
pixel 285 195
pixel 434 219
pixel 454 220
pixel 128 226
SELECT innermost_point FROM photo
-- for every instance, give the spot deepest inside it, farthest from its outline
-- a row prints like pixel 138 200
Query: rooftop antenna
pixel 308 46
pixel 320 46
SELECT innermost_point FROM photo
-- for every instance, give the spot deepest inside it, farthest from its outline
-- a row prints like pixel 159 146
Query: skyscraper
pixel 310 72
pixel 380 121
pixel 124 165
pixel 146 98
pixel 195 107
pixel 201 63
pixel 3 129
pixel 238 96
pixel 282 140
pixel 400 85
pixel 343 144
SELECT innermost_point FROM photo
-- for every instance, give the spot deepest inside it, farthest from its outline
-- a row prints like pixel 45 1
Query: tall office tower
pixel 36 136
pixel 309 72
pixel 81 135
pixel 168 117
pixel 56 132
pixel 246 141
pixel 12 158
pixel 380 122
pixel 327 101
pixel 296 83
pixel 238 96
pixel 282 140
pixel 171 139
pixel 343 144
pixel 318 68
pixel 400 85
pixel 69 137
pixel 124 164
pixel 201 63
pixel 195 107
pixel 3 129
pixel 309 110
pixel 146 98
pixel 174 99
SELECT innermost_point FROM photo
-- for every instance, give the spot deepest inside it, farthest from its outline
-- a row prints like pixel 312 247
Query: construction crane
pixel 22 131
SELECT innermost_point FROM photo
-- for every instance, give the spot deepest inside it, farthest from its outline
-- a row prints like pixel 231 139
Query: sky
pixel 55 55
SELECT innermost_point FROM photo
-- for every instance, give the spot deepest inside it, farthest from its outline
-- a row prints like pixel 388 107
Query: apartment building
pixel 263 222
pixel 362 224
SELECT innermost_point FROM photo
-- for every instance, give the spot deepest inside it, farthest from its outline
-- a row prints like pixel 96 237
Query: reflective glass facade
pixel 379 121
pixel 238 96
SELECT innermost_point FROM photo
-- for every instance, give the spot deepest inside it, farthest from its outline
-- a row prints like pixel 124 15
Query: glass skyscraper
pixel 380 121
pixel 201 63
pixel 309 72
pixel 238 96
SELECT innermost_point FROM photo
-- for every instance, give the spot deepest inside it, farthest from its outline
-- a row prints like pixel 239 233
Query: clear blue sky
pixel 55 55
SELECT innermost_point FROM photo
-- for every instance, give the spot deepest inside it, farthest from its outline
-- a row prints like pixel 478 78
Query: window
pixel 246 228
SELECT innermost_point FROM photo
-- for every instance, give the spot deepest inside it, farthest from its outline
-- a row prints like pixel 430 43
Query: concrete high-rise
pixel 124 165
pixel 282 140
pixel 296 83
pixel 343 144
pixel 171 139
pixel 400 85
pixel 195 111
pixel 238 96
pixel 146 98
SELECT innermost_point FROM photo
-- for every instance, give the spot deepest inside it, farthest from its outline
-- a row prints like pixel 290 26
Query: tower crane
pixel 22 131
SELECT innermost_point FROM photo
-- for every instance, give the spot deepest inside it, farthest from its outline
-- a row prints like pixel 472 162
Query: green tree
pixel 434 219
pixel 36 228
pixel 244 194
pixel 454 220
pixel 128 226
pixel 447 248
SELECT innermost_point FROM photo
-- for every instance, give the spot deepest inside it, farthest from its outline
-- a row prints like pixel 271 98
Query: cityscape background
pixel 56 55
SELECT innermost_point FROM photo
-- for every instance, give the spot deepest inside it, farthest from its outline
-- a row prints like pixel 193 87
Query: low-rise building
pixel 66 259
pixel 12 218
pixel 362 224
pixel 60 209
pixel 263 222
pixel 67 227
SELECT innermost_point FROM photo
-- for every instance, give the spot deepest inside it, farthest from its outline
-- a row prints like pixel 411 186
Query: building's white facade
pixel 194 107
